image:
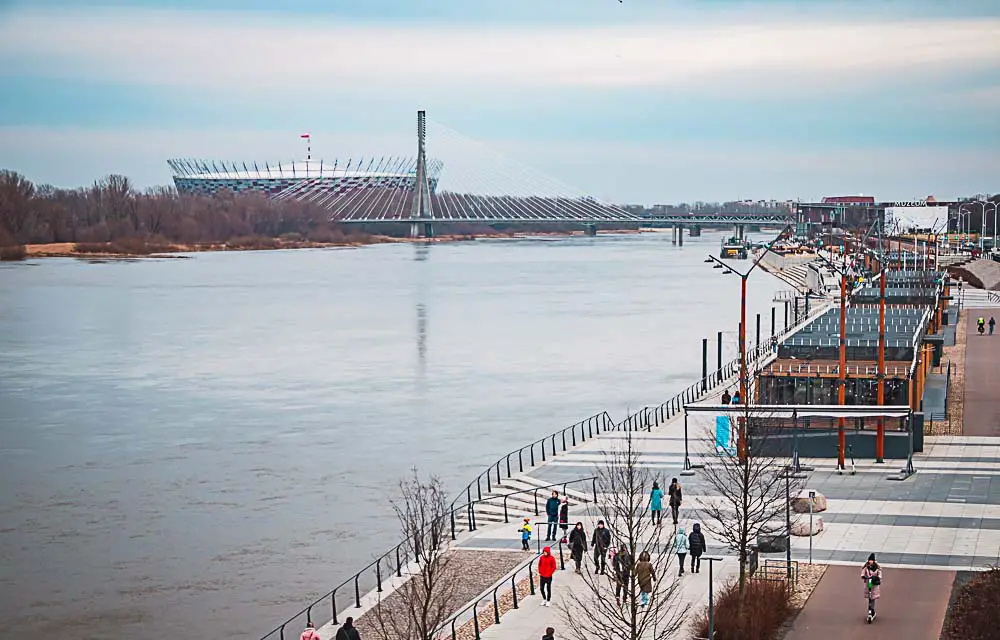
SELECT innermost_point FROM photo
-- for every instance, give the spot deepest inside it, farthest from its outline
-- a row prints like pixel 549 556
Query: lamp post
pixel 842 373
pixel 995 205
pixel 788 525
pixel 982 225
pixel 880 372
pixel 711 608
pixel 812 498
pixel 741 441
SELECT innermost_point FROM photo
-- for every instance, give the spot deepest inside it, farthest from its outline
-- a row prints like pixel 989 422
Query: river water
pixel 202 446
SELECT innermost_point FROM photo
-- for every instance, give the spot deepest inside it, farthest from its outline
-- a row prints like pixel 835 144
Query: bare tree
pixel 593 613
pixel 419 606
pixel 16 210
pixel 748 494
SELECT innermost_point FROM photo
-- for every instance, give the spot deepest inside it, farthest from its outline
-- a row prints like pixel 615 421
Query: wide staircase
pixel 980 298
pixel 524 497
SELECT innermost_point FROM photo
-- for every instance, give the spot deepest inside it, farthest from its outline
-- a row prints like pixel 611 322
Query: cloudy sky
pixel 640 101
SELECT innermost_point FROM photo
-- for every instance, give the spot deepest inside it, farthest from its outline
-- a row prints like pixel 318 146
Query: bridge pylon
pixel 421 207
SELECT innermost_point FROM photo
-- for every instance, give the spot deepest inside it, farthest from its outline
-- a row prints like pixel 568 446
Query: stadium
pixel 209 177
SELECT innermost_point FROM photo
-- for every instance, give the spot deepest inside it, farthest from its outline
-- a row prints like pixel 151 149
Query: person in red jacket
pixel 546 569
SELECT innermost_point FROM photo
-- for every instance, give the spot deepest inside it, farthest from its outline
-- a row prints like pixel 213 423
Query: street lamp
pixel 995 205
pixel 711 609
pixel 741 442
pixel 812 498
pixel 842 373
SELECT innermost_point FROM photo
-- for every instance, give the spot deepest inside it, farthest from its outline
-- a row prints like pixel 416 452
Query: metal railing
pixel 457 618
pixel 488 499
pixel 393 561
pixel 504 467
pixel 833 369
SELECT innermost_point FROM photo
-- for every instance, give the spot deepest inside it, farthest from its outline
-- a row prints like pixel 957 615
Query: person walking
pixel 726 397
pixel 675 498
pixel 622 566
pixel 564 518
pixel 550 634
pixel 546 569
pixel 645 576
pixel 309 633
pixel 697 546
pixel 526 534
pixel 871 573
pixel 681 546
pixel 348 631
pixel 552 512
pixel 577 545
pixel 601 542
pixel 992 323
pixel 656 504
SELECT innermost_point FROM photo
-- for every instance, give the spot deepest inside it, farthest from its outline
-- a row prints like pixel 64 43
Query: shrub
pixel 291 236
pixel 766 609
pixel 13 252
pixel 975 614
pixel 252 242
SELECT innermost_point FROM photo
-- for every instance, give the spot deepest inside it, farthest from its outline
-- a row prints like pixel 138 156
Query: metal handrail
pixel 587 428
pixel 332 594
pixel 452 620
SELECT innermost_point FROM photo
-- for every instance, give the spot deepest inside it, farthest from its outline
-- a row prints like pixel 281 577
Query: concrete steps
pixel 979 298
pixel 522 504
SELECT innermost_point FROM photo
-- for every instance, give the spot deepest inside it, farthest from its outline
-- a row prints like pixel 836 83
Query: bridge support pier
pixel 680 235
pixel 673 234
pixel 695 231
pixel 421 230
pixel 590 229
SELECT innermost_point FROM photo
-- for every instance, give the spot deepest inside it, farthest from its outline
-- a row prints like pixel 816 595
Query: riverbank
pixel 139 248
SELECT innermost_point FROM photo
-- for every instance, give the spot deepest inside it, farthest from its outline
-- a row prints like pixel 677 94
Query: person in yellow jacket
pixel 526 534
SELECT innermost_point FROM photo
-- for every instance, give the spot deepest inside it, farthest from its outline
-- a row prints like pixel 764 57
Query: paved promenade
pixel 944 518
pixel 982 368
pixel 912 606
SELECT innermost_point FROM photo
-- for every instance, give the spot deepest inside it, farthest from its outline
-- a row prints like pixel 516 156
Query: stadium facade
pixel 209 177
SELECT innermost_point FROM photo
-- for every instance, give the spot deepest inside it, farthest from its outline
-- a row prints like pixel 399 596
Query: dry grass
pixel 473 571
pixel 505 600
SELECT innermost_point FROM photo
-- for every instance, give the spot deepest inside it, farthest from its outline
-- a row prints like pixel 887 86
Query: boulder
pixel 800 502
pixel 773 543
pixel 801 526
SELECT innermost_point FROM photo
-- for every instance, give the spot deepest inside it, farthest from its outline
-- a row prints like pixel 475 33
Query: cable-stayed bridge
pixel 468 182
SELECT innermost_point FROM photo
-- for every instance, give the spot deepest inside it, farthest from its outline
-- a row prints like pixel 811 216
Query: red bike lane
pixel 982 400
pixel 912 606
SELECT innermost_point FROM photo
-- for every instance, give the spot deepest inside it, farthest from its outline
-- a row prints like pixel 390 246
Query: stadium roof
pixel 220 170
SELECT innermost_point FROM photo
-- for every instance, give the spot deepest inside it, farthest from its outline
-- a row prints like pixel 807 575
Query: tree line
pixel 113 209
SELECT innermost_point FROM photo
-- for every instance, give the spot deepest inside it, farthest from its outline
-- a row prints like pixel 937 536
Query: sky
pixel 639 101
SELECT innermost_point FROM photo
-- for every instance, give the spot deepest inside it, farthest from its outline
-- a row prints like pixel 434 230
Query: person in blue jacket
pixel 552 511
pixel 656 504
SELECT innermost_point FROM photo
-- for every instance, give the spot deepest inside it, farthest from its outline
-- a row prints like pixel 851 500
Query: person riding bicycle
pixel 981 323
pixel 871 573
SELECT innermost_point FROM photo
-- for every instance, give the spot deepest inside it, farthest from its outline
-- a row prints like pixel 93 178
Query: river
pixel 201 446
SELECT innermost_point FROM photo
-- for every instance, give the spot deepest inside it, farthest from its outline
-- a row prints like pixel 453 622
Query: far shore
pixel 111 250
